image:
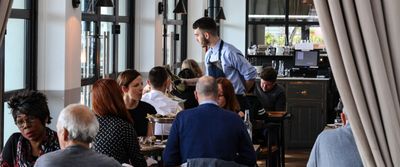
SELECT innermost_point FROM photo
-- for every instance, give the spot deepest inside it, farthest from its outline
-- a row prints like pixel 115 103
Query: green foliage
pixel 269 39
pixel 314 37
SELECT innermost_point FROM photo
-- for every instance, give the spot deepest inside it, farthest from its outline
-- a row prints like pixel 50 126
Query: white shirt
pixel 164 106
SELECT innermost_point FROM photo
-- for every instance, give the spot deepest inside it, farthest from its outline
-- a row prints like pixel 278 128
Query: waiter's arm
pixel 249 85
pixel 190 82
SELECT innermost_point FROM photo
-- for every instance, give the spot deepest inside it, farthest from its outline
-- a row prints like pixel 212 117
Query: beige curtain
pixel 5 10
pixel 363 45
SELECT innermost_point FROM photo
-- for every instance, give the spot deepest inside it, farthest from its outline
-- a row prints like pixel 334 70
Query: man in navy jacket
pixel 208 131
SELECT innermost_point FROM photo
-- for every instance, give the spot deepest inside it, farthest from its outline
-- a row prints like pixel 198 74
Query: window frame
pixel 115 19
pixel 30 15
pixel 286 22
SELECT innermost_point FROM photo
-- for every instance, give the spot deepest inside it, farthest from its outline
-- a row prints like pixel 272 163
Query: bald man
pixel 208 131
pixel 76 128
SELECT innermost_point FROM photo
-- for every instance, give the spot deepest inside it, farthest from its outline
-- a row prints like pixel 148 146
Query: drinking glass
pixel 338 122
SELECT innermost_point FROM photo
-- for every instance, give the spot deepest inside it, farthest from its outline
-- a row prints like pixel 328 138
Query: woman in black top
pixel 31 114
pixel 116 137
pixel 188 93
pixel 131 84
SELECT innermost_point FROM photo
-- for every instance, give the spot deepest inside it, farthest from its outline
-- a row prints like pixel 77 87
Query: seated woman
pixel 116 137
pixel 192 65
pixel 131 84
pixel 188 93
pixel 226 96
pixel 31 114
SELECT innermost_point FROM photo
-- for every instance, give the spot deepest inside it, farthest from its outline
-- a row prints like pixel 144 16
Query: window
pixel 18 57
pixel 316 37
pixel 174 35
pixel 281 22
pixel 15 54
pixel 106 34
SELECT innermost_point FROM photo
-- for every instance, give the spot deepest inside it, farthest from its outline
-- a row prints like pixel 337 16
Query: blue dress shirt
pixel 335 148
pixel 235 66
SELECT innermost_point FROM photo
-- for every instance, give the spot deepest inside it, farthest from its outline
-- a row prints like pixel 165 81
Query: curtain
pixel 363 44
pixel 5 8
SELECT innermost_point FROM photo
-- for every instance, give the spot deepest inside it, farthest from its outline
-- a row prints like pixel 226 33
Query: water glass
pixel 338 122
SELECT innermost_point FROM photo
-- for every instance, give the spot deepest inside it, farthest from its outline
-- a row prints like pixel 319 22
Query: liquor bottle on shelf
pixel 247 123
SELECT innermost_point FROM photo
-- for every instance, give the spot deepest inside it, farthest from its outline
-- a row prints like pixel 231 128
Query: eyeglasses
pixel 22 123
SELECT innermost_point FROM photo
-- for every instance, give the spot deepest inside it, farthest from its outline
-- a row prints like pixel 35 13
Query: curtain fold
pixel 362 39
pixel 5 10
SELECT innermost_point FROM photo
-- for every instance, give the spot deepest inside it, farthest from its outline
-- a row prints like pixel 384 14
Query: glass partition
pixel 122 50
pixel 19 4
pixel 88 50
pixel 9 125
pixel 15 49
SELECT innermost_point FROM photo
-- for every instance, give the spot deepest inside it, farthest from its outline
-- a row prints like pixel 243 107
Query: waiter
pixel 224 60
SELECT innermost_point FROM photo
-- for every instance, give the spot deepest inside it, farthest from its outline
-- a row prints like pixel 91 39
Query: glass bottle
pixel 247 123
pixel 273 64
pixel 281 68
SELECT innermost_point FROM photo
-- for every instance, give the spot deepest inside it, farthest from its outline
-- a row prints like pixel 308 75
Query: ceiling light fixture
pixel 180 8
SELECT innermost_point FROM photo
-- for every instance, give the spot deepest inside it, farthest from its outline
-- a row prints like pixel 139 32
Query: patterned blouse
pixel 18 152
pixel 117 138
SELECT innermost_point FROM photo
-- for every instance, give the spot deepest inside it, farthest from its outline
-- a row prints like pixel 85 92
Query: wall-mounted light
pixel 160 7
pixel 75 3
pixel 180 8
pixel 221 14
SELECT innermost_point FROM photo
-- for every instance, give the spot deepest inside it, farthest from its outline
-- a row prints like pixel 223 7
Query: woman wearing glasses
pixel 31 114
pixel 226 96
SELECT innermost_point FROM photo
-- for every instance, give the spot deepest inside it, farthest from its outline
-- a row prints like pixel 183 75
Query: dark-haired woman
pixel 131 84
pixel 31 114
pixel 116 137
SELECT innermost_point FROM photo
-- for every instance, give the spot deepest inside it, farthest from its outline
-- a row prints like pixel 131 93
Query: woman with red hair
pixel 117 137
pixel 226 96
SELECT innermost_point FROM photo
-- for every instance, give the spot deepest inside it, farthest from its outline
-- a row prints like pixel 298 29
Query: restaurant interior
pixel 324 55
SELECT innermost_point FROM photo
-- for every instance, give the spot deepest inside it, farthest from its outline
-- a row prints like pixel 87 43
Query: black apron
pixel 215 68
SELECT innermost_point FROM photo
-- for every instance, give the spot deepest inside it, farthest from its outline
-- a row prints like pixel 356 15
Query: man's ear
pixel 196 96
pixel 206 35
pixel 148 82
pixel 64 134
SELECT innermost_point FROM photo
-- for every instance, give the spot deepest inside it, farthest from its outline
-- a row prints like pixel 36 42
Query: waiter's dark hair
pixel 268 74
pixel 206 24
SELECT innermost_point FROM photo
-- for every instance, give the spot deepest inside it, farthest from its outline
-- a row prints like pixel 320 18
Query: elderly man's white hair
pixel 79 121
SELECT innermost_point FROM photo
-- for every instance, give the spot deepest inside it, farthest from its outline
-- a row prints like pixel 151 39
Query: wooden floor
pixel 293 158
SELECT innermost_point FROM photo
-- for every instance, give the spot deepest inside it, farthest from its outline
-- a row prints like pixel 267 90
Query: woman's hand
pixel 241 114
pixel 146 89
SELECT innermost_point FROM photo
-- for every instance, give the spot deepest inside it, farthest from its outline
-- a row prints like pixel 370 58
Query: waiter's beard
pixel 205 42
